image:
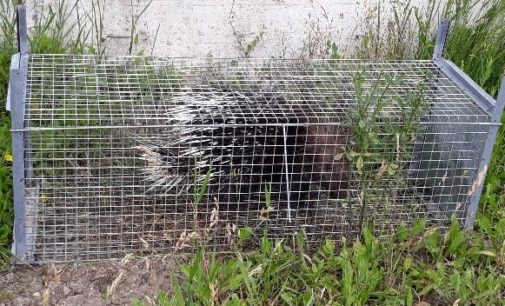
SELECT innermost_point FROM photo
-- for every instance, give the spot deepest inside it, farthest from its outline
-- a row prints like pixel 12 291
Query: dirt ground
pixel 104 283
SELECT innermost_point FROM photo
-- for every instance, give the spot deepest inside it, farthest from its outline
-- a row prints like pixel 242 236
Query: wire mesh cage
pixel 137 155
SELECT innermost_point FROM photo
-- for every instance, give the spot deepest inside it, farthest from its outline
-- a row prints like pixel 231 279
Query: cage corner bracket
pixel 22 28
pixel 443 32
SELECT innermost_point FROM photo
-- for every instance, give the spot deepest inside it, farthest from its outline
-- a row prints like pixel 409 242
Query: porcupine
pixel 243 141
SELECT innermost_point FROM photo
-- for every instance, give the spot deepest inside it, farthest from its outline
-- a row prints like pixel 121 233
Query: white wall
pixel 223 28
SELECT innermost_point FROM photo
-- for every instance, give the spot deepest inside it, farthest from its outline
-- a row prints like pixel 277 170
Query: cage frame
pixel 16 102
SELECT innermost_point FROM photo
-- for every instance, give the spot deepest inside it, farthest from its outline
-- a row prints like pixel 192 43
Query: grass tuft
pixel 417 265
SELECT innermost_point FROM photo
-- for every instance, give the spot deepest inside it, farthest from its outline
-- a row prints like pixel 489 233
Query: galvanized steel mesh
pixel 143 156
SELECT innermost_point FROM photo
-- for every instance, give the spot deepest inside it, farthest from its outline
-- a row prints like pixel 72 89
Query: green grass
pixel 415 265
pixel 7 48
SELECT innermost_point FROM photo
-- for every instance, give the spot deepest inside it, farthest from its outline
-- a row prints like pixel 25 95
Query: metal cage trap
pixel 137 155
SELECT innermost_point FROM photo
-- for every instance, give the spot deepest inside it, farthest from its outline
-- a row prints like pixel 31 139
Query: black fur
pixel 244 139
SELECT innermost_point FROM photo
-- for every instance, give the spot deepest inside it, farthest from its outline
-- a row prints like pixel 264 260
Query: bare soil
pixel 103 283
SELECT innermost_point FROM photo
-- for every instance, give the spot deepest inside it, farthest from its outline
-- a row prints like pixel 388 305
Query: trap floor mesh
pixel 136 155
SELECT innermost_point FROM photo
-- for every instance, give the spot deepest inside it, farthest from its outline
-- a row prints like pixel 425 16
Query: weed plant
pixel 7 48
pixel 381 143
pixel 416 266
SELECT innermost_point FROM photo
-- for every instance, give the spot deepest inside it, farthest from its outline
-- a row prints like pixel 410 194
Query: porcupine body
pixel 245 144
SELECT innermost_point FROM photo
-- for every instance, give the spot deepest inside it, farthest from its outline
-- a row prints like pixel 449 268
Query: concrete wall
pixel 224 28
